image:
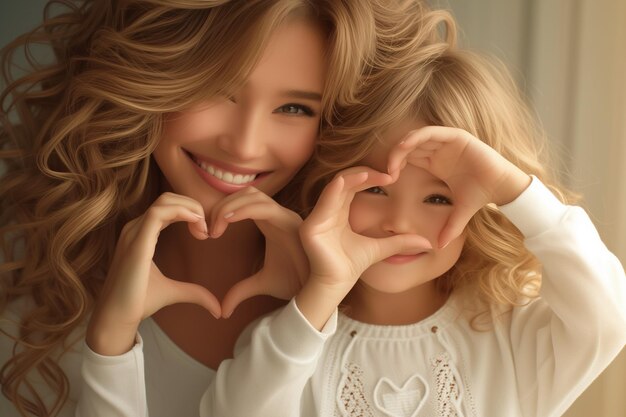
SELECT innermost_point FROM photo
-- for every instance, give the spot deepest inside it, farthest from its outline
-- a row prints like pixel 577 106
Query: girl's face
pixel 417 203
pixel 259 137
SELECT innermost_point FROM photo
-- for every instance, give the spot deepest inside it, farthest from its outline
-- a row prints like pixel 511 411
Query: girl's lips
pixel 402 259
pixel 225 180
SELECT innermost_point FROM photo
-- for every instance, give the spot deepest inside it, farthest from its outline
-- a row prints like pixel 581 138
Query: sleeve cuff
pixel 535 210
pixel 125 358
pixel 293 334
pixel 113 385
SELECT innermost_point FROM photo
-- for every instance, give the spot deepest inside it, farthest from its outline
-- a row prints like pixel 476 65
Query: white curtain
pixel 570 58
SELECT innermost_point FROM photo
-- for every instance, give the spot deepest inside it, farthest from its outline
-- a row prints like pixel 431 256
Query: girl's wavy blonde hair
pixel 77 148
pixel 435 81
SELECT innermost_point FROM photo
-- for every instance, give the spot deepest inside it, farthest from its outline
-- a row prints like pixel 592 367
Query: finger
pixel 396 160
pixel 405 244
pixel 173 199
pixel 351 187
pixel 257 206
pixel 267 215
pixel 400 156
pixel 200 230
pixel 337 196
pixel 333 196
pixel 240 292
pixel 355 181
pixel 187 292
pixel 158 218
pixel 229 203
pixel 455 226
pixel 421 143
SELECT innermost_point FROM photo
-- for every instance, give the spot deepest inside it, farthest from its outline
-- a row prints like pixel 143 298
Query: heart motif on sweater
pixel 405 401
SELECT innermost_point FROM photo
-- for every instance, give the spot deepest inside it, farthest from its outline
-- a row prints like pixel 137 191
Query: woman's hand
pixel 475 173
pixel 337 255
pixel 285 266
pixel 134 287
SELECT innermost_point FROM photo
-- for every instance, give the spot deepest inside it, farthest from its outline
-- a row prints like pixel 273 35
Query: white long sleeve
pixel 278 356
pixel 155 378
pixel 533 362
pixel 561 344
pixel 113 386
pixel 156 371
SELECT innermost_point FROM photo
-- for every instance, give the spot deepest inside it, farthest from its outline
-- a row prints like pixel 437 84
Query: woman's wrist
pixel 108 338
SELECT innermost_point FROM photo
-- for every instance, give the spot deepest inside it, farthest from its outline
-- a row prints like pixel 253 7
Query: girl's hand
pixel 285 267
pixel 475 172
pixel 337 255
pixel 134 287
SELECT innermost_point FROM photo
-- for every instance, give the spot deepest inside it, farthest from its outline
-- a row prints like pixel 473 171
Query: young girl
pixel 447 277
pixel 150 114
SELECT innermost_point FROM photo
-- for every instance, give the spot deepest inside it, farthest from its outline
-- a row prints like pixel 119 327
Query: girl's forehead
pixel 379 154
pixel 377 158
pixel 400 130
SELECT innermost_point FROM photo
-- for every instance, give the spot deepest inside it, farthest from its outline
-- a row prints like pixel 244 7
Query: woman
pixel 152 112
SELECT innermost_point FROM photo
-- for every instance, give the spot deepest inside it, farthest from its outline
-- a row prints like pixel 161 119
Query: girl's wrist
pixel 317 301
pixel 512 187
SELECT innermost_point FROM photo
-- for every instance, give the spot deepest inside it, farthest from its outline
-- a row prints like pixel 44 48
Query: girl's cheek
pixel 362 216
pixel 433 222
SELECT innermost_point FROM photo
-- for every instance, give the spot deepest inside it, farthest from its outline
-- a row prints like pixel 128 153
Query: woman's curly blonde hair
pixel 76 137
pixel 425 76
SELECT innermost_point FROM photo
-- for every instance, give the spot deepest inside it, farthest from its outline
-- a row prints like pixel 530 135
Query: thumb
pixel 454 226
pixel 401 244
pixel 241 291
pixel 186 292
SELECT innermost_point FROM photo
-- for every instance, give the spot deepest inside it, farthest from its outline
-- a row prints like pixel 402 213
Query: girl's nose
pixel 400 219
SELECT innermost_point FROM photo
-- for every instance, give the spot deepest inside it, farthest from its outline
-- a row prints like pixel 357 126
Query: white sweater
pixel 116 386
pixel 534 362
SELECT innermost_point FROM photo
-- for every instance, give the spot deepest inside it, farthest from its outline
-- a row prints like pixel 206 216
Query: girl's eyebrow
pixel 302 94
pixel 438 182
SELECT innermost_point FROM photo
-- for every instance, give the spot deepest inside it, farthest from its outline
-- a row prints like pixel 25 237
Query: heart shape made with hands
pixel 405 401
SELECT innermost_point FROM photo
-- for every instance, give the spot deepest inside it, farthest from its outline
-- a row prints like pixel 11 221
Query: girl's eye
pixel 438 199
pixel 295 110
pixel 375 190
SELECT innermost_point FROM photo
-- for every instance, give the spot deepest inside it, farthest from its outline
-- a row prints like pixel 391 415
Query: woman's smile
pixel 224 177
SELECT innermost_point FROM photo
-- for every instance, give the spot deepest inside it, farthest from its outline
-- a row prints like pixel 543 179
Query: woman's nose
pixel 247 137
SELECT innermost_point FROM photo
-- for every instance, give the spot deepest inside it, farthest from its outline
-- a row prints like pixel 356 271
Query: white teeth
pixel 226 176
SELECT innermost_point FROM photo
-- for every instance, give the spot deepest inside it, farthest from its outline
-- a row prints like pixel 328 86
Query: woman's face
pixel 259 137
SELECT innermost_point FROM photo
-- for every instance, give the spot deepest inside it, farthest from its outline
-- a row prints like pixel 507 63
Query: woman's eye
pixel 296 110
pixel 438 199
pixel 375 190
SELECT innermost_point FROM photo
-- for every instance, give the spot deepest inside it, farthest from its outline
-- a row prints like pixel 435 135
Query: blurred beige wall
pixel 570 58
